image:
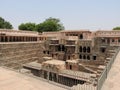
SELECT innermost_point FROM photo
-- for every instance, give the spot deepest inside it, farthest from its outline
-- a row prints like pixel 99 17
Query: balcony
pixel 54 42
pixel 70 43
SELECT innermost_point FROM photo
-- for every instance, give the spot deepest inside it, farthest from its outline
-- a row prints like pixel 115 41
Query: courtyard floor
pixel 113 80
pixel 11 80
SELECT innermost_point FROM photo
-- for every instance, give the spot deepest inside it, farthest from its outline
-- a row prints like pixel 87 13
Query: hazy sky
pixel 74 14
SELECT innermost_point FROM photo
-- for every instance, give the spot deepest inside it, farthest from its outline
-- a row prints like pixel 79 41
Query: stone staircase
pixel 13 55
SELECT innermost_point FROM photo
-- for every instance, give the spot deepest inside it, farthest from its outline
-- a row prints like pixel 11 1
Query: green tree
pixel 27 26
pixel 116 28
pixel 5 24
pixel 50 24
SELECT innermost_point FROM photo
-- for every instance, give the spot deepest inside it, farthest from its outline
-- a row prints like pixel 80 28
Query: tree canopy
pixel 27 26
pixel 50 24
pixel 5 24
pixel 116 28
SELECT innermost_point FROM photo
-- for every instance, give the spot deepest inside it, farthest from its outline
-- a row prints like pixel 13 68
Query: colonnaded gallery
pixel 69 57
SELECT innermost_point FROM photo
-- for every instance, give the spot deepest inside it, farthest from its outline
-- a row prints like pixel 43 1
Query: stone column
pixel 8 38
pixel 3 38
pixel 21 39
pixel 0 38
pixel 117 41
pixel 56 77
pixel 15 39
pixel 110 41
pixel 32 38
pixel 28 38
pixel 12 37
pixel 48 75
pixel 24 39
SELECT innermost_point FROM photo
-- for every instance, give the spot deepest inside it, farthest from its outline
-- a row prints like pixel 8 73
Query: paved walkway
pixel 113 80
pixel 11 80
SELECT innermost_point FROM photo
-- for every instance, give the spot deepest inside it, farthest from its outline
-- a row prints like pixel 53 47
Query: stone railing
pixel 105 72
pixel 18 32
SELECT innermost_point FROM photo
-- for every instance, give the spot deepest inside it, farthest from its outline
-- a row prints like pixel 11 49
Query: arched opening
pixel 54 77
pixel 70 67
pixel 68 57
pixel 45 74
pixel 48 52
pixel 84 49
pixel 10 39
pixel 81 36
pixel 102 50
pixel 14 39
pixel 113 40
pixel 63 48
pixel 2 39
pixel 80 49
pixel 88 49
pixel 59 48
pixel 108 40
pixel 94 57
pixel 44 52
pixel 82 82
pixel 119 40
pixel 88 57
pixel 50 76
pixel 6 39
pixel 80 56
pixel 84 57
pixel 103 40
pixel 52 55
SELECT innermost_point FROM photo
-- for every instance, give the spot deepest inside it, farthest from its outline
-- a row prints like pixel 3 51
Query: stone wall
pixel 15 55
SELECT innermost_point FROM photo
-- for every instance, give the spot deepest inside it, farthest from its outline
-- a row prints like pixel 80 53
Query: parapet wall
pixel 16 54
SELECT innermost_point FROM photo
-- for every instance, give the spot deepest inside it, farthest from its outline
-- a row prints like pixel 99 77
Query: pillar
pixel 0 38
pixel 116 41
pixel 24 39
pixel 15 38
pixel 48 76
pixel 3 38
pixel 8 38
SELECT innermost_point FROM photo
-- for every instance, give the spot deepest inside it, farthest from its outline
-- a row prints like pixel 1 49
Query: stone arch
pixel 84 57
pixel 6 39
pixel 70 67
pixel 68 57
pixel 102 50
pixel 88 49
pixel 80 56
pixel 88 57
pixel 44 52
pixel 94 57
pixel 84 49
pixel 10 38
pixel 63 48
pixel 81 36
pixel 48 52
pixel 59 48
pixel 80 49
pixel 2 39
pixel 14 39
